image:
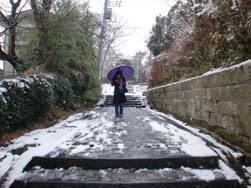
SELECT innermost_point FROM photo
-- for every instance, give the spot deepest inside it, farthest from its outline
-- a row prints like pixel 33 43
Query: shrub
pixel 26 98
pixel 63 92
pixel 93 90
pixel 217 35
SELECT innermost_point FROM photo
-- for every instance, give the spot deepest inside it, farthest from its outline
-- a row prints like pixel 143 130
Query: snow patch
pixel 197 131
pixel 209 175
pixel 138 90
pixel 206 175
pixel 234 5
pixel 107 89
pixel 207 8
pixel 190 144
pixel 44 141
pixel 6 163
pixel 229 173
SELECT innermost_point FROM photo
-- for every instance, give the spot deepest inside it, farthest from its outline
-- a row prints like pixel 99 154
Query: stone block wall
pixel 221 99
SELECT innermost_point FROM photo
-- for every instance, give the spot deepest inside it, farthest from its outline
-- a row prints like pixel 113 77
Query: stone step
pixel 128 106
pixel 132 101
pixel 120 178
pixel 137 163
pixel 111 99
pixel 127 96
pixel 126 103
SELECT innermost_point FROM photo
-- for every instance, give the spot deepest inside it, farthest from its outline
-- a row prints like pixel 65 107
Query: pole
pixel 101 41
pixel 137 73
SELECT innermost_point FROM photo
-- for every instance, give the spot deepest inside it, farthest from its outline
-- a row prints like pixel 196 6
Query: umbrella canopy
pixel 126 70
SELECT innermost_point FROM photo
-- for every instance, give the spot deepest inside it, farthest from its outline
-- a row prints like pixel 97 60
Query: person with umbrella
pixel 119 97
pixel 118 76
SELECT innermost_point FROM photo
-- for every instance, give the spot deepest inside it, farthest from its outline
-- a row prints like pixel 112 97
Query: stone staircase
pixel 132 101
pixel 141 162
pixel 130 88
pixel 45 172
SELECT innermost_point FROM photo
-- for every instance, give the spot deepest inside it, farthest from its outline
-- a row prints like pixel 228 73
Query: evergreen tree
pixel 71 48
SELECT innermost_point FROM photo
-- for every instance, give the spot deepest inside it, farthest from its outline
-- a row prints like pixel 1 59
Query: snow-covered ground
pixel 138 89
pixel 207 137
pixel 41 142
pixel 44 141
pixel 59 137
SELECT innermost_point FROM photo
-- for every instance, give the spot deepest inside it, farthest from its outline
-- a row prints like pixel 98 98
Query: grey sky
pixel 140 16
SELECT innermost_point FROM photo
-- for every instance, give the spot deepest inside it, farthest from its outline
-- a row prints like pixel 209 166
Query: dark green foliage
pixel 30 97
pixel 63 92
pixel 159 39
pixel 168 28
pixel 71 59
pixel 93 90
pixel 71 48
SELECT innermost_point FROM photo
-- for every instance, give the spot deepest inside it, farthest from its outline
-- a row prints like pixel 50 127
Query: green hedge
pixel 25 98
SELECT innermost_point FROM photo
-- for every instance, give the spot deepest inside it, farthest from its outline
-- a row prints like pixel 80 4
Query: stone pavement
pixel 142 149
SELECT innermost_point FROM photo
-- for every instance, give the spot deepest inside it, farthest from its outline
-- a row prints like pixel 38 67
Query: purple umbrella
pixel 126 70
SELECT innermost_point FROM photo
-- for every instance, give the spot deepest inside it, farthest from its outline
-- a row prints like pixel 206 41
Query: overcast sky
pixel 139 16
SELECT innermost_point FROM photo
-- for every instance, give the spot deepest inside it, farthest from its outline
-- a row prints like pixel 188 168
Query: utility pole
pixel 139 57
pixel 137 71
pixel 101 41
pixel 106 16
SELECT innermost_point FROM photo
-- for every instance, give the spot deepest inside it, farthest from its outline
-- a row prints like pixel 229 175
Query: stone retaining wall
pixel 221 99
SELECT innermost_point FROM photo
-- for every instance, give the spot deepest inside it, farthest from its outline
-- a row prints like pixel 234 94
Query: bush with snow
pixel 25 98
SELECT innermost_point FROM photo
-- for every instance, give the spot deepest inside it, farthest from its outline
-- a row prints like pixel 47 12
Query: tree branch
pixel 6 57
pixel 10 27
pixel 20 11
pixel 4 19
pixel 11 2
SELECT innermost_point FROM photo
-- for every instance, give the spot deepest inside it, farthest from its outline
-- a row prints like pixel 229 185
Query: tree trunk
pixel 11 56
pixel 43 44
pixel 13 60
pixel 12 31
pixel 41 17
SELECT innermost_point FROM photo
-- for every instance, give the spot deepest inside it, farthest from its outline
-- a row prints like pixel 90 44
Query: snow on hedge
pixel 206 8
pixel 23 99
pixel 23 82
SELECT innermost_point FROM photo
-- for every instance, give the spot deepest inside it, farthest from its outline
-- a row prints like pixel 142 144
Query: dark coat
pixel 118 97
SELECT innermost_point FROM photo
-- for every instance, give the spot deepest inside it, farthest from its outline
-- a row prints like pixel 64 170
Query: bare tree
pixel 113 57
pixel 11 23
pixel 114 36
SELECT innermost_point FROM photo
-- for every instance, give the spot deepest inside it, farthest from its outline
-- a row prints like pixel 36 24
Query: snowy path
pixel 142 133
